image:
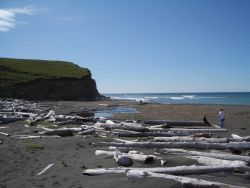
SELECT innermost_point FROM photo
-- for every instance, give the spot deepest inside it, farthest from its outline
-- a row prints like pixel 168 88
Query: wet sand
pixel 70 155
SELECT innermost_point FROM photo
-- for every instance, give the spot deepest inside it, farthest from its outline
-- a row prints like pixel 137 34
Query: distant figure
pixel 205 120
pixel 221 118
pixel 140 101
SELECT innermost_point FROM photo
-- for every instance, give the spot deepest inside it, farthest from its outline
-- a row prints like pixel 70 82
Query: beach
pixel 71 155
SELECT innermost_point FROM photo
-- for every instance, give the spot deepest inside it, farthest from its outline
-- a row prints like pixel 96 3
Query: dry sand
pixel 70 155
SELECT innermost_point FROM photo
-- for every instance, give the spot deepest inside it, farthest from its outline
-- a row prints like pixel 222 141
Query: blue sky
pixel 136 45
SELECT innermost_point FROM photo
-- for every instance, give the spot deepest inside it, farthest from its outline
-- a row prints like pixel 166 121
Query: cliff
pixel 46 80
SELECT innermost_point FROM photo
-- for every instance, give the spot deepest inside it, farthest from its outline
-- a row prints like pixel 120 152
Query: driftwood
pixel 190 139
pixel 87 132
pixel 175 123
pixel 199 130
pixel 125 127
pixel 196 145
pixel 178 170
pixel 185 181
pixel 146 134
pixel 225 156
pixel 240 138
pixel 134 156
pixel 45 169
pixel 5 134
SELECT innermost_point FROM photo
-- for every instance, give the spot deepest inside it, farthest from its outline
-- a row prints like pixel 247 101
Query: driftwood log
pixel 196 145
pixel 175 123
pixel 225 156
pixel 190 139
pixel 185 181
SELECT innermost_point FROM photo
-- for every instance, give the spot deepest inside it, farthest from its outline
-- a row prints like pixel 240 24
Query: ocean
pixel 228 98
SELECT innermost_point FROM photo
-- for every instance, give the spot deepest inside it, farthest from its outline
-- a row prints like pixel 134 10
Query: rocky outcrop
pixel 46 80
pixel 54 89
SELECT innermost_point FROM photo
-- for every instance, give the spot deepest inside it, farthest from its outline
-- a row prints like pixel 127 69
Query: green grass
pixel 29 146
pixel 14 71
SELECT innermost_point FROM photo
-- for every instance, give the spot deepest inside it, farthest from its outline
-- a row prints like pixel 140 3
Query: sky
pixel 136 46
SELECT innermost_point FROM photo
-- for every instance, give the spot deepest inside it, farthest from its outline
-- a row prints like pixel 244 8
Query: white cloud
pixel 8 17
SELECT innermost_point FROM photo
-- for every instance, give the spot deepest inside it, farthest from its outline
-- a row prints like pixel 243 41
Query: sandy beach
pixel 20 164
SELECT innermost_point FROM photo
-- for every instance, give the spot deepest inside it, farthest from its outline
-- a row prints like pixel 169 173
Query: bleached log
pixel 178 170
pixel 35 136
pixel 125 127
pixel 190 139
pixel 45 169
pixel 137 157
pixel 185 181
pixel 217 155
pixel 65 122
pixel 175 123
pixel 5 134
pixel 146 134
pixel 87 132
pixel 238 138
pixel 199 130
pixel 196 145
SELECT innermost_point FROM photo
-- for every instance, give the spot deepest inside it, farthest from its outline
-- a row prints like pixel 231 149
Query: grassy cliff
pixel 14 71
pixel 45 80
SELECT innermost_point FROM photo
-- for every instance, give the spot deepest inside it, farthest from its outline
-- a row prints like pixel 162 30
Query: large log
pixel 190 139
pixel 199 130
pixel 185 181
pixel 125 127
pixel 178 170
pixel 225 156
pixel 195 145
pixel 146 134
pixel 175 123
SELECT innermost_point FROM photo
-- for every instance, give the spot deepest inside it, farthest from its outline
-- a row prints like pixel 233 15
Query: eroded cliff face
pixel 71 89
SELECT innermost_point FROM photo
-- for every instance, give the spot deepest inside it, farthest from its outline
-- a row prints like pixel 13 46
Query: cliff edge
pixel 46 80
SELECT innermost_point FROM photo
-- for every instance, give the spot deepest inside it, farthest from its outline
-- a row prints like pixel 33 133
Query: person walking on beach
pixel 221 118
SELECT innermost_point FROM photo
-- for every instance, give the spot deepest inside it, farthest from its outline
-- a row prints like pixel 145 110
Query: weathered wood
pixel 185 181
pixel 5 134
pixel 175 123
pixel 147 134
pixel 225 156
pixel 87 132
pixel 125 127
pixel 199 130
pixel 196 145
pixel 190 139
pixel 134 156
pixel 45 169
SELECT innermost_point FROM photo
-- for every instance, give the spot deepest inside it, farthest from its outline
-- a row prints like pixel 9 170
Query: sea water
pixel 234 98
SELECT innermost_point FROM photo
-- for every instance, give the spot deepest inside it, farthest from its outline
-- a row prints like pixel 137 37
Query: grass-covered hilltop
pixel 45 80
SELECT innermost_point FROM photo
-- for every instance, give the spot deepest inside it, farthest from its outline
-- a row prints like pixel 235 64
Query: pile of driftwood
pixel 191 140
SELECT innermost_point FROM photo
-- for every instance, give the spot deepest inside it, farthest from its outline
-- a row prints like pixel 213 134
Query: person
pixel 205 121
pixel 221 118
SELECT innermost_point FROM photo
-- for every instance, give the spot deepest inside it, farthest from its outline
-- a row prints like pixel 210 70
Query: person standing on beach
pixel 221 118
